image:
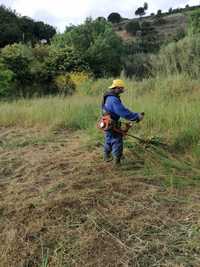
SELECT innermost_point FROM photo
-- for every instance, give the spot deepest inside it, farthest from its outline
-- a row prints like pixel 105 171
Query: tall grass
pixel 171 105
pixel 73 112
pixel 179 57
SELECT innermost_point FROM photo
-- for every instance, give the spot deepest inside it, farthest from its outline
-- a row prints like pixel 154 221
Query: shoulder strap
pixel 109 93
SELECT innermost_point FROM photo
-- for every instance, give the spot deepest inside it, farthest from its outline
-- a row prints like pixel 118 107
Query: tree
pixel 140 12
pixel 27 29
pixel 99 45
pixel 145 6
pixel 43 31
pixel 114 17
pixel 170 10
pixel 9 33
pixel 101 18
pixel 15 29
pixel 159 12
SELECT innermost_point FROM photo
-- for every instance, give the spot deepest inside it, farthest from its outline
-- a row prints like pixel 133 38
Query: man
pixel 113 106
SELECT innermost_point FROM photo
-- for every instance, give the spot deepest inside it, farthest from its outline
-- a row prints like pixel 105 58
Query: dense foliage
pixel 114 17
pixel 99 45
pixel 194 22
pixel 15 28
pixel 90 50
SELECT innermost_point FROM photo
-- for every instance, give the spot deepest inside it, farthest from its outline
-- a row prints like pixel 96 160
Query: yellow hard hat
pixel 117 83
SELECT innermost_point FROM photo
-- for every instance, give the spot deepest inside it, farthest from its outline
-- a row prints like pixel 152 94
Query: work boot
pixel 117 161
pixel 107 157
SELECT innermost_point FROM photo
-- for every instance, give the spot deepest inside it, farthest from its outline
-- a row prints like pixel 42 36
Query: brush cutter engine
pixel 105 123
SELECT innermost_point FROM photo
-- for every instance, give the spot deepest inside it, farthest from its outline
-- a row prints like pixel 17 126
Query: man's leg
pixel 107 145
pixel 117 148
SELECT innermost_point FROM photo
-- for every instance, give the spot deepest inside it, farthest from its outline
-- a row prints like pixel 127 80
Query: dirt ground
pixel 61 205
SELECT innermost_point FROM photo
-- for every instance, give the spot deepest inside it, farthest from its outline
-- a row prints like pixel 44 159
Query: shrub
pixel 6 77
pixel 194 22
pixel 79 77
pixel 132 27
pixel 65 84
pixel 179 57
pixel 41 52
pixel 64 59
pixel 17 58
pixel 137 65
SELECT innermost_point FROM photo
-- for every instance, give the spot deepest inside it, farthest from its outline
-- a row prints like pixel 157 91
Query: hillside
pixel 167 28
pixel 172 25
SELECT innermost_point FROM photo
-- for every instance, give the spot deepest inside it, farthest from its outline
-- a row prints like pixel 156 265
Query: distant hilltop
pixel 167 26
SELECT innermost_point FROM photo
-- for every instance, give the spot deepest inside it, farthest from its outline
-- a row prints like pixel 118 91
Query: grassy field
pixel 171 106
pixel 61 205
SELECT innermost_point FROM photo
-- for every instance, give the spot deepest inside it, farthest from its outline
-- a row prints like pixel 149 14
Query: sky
pixel 62 13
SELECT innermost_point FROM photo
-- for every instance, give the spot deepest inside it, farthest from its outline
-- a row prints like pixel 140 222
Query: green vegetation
pixel 98 43
pixel 179 57
pixel 171 105
pixel 194 22
pixel 141 10
pixel 15 28
pixel 114 17
pixel 61 205
pixel 95 48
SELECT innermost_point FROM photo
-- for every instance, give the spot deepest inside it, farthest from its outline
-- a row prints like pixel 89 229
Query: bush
pixel 137 65
pixel 17 58
pixel 79 77
pixel 194 22
pixel 6 77
pixel 179 57
pixel 132 27
pixel 64 59
pixel 65 84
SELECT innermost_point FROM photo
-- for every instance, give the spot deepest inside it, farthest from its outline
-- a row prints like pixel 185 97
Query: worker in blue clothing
pixel 113 106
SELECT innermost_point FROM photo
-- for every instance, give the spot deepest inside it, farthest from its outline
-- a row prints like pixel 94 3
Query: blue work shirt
pixel 114 106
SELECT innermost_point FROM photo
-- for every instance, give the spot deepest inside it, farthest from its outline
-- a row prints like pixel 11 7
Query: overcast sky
pixel 64 12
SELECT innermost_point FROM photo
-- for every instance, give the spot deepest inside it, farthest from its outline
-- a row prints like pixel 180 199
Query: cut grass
pixel 65 207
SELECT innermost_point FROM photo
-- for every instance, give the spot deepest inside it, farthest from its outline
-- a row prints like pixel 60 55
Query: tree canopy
pixel 15 28
pixel 114 17
pixel 97 42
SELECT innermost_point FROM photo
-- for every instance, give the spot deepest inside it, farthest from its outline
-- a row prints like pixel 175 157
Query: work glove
pixel 141 116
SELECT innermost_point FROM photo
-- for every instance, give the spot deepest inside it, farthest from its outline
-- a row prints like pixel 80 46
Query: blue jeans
pixel 113 144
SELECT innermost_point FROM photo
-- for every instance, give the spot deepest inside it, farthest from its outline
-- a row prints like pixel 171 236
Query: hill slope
pixel 167 27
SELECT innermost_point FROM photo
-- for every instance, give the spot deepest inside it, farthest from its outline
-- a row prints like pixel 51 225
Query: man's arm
pixel 124 112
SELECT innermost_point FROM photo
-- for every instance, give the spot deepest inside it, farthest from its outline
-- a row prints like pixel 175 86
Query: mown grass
pixel 65 207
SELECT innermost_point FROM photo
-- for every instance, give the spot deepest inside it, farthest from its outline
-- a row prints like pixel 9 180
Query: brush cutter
pixel 150 141
pixel 106 123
